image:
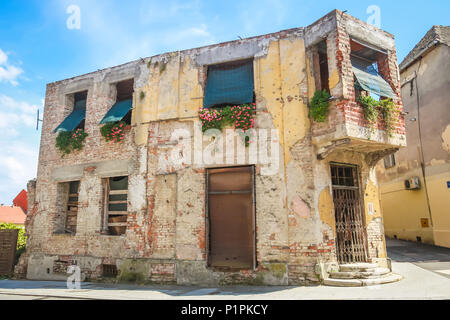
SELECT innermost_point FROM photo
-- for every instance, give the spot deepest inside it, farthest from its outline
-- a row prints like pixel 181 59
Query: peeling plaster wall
pixel 404 209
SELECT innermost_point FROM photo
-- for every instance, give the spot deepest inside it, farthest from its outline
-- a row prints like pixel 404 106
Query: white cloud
pixel 16 114
pixel 18 165
pixel 20 149
pixel 8 73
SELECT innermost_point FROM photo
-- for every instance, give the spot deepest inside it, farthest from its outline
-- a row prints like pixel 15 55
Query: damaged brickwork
pixel 167 232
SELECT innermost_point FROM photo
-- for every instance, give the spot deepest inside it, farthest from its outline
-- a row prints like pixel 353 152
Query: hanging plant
pixel 320 106
pixel 370 111
pixel 390 112
pixel 114 132
pixel 67 141
pixel 240 116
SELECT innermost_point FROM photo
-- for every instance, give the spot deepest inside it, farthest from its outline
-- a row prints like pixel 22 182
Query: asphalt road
pixel 428 257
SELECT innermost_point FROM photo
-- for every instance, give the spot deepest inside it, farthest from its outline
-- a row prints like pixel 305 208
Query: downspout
pixel 422 160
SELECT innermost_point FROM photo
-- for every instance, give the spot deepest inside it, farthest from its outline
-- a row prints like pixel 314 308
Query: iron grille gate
pixel 350 228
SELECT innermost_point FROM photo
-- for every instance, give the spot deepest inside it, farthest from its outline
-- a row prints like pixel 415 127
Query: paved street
pixel 426 271
pixel 436 259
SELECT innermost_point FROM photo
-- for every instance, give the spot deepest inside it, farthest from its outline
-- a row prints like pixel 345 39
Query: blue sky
pixel 37 47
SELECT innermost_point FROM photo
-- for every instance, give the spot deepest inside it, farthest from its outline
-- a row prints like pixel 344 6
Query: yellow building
pixel 415 182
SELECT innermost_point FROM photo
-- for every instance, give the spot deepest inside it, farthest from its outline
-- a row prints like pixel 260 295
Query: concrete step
pixel 354 267
pixel 387 278
pixel 374 273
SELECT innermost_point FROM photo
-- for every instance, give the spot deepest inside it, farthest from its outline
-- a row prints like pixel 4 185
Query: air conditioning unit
pixel 412 183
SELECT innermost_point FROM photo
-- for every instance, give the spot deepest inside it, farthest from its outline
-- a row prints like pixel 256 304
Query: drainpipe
pixel 422 160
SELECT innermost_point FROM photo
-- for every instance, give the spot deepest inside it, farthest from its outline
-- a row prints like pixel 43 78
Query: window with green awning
pixel 118 111
pixel 368 78
pixel 229 83
pixel 73 120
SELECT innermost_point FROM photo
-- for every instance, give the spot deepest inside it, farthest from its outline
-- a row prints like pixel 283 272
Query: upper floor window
pixel 321 74
pixel 121 110
pixel 229 84
pixel 366 69
pixel 76 119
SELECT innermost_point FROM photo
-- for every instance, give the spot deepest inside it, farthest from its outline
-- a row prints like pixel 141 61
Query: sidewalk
pixel 418 283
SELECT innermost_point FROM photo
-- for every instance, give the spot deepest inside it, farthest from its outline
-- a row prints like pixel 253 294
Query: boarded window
pixel 76 119
pixel 72 207
pixel 115 205
pixel 321 66
pixel 121 110
pixel 231 218
pixel 389 161
pixel 229 83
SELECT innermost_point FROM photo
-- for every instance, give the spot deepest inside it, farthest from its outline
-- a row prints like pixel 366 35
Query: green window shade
pixel 118 111
pixel 229 84
pixel 368 79
pixel 74 119
pixel 118 183
pixel 73 187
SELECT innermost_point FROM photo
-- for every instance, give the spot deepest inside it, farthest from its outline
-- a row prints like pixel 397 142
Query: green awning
pixel 118 111
pixel 229 84
pixel 74 119
pixel 373 82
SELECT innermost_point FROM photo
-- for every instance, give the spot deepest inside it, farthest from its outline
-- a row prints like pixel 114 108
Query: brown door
pixel 231 218
pixel 351 244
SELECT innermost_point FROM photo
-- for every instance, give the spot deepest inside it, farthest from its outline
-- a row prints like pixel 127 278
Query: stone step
pixel 354 267
pixel 375 273
pixel 387 278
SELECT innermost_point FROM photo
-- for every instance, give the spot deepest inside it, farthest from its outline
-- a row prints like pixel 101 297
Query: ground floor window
pixel 115 205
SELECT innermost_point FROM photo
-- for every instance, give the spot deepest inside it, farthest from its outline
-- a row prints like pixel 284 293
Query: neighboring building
pixel 421 211
pixel 12 214
pixel 288 217
pixel 21 201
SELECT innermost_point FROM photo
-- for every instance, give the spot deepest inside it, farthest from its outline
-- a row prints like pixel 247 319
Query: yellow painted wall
pixel 174 91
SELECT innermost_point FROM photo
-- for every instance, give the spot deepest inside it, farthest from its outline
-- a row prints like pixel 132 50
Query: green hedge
pixel 21 239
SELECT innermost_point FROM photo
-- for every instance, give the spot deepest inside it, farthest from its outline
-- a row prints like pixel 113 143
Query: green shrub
pixel 320 106
pixel 390 112
pixel 370 110
pixel 67 141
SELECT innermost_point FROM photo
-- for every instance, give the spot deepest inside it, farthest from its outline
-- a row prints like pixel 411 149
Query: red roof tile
pixel 12 215
pixel 21 200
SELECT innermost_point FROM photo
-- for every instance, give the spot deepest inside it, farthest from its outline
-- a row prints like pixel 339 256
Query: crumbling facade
pixel 181 222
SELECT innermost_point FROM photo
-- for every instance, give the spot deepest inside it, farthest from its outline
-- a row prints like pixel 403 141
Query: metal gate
pixel 231 217
pixel 8 243
pixel 351 243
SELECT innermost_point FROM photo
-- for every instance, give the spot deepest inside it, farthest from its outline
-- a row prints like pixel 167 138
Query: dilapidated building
pixel 166 205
